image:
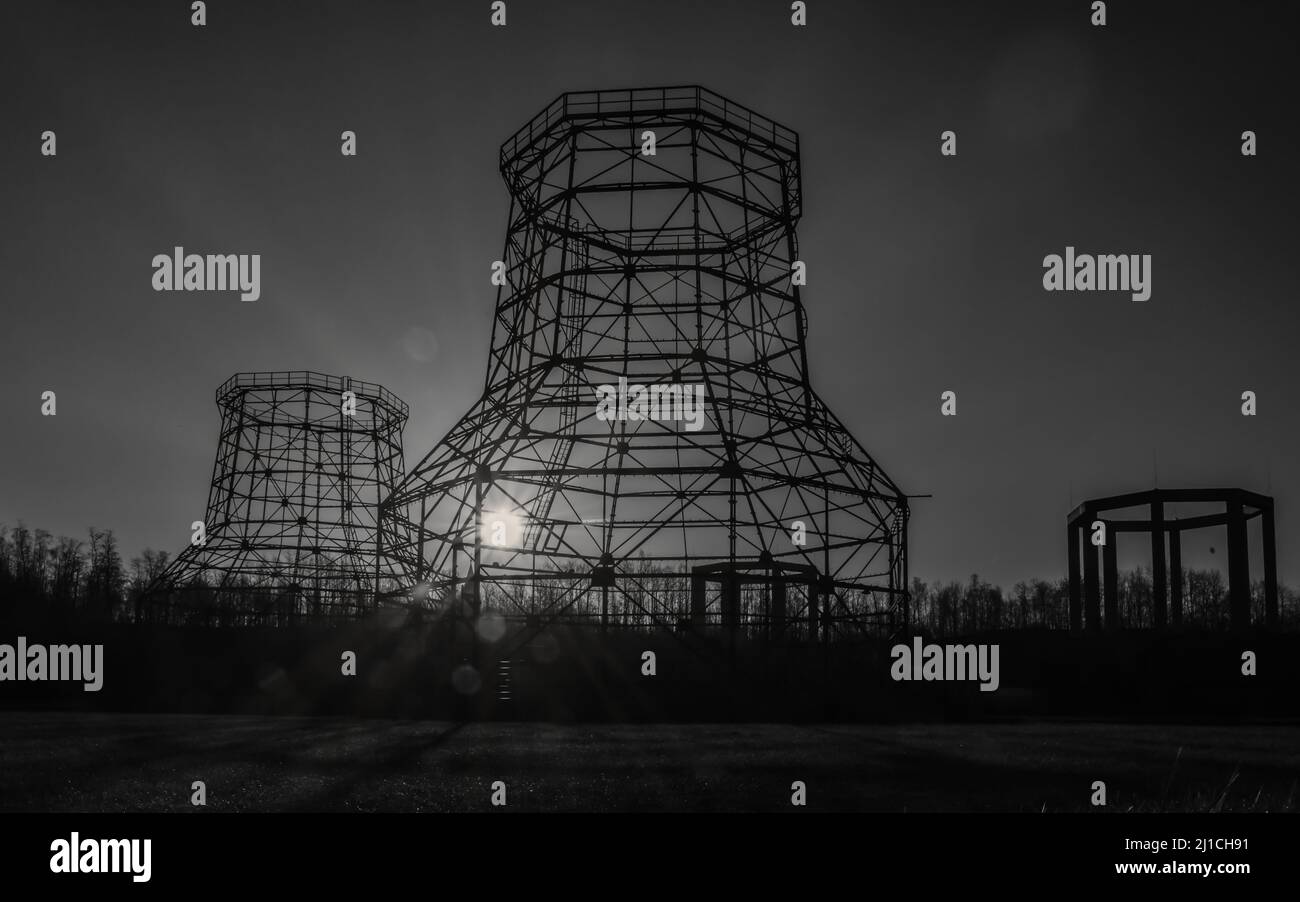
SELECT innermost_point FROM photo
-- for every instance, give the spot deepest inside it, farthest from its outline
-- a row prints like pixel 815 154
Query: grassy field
pixel 99 762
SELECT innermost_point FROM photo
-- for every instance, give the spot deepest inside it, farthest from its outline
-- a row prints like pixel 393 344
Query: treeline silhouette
pixel 89 580
pixel 953 608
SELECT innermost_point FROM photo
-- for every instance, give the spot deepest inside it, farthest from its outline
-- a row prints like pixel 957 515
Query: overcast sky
pixel 925 272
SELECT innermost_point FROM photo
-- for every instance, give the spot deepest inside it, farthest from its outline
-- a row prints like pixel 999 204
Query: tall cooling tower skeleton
pixel 292 522
pixel 671 268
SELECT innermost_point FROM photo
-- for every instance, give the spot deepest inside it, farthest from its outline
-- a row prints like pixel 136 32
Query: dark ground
pixel 129 762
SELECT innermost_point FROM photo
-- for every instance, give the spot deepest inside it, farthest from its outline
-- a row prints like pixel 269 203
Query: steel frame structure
pixel 292 521
pixel 671 269
pixel 1240 507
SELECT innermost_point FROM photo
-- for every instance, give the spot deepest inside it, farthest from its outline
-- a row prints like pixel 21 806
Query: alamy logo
pixel 58 662
pixel 1104 272
pixel 211 272
pixel 946 662
pixel 664 403
pixel 102 856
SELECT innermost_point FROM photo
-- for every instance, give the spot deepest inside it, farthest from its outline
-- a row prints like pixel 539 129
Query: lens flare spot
pixel 465 680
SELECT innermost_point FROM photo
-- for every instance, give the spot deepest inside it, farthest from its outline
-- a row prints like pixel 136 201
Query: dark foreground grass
pixel 98 762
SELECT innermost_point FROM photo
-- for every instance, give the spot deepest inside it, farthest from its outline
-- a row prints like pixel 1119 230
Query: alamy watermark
pixel 946 662
pixel 1102 272
pixel 102 856
pixel 671 402
pixel 57 662
pixel 180 271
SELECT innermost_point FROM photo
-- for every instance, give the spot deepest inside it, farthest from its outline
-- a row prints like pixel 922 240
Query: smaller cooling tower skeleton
pixel 292 522
pixel 673 270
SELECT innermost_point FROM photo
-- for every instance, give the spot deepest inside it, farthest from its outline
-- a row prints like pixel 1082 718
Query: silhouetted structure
pixel 292 523
pixel 672 270
pixel 1240 506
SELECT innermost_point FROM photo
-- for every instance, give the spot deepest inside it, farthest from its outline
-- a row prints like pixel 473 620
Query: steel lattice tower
pixel 672 268
pixel 292 521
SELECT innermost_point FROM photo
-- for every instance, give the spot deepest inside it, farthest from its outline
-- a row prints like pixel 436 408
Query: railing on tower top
pixel 309 379
pixel 642 100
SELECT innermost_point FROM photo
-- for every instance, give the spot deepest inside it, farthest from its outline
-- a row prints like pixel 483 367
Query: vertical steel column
pixel 1076 589
pixel 1110 574
pixel 699 601
pixel 778 604
pixel 1158 575
pixel 812 608
pixel 1238 566
pixel 1091 586
pixel 730 601
pixel 1176 566
pixel 1270 568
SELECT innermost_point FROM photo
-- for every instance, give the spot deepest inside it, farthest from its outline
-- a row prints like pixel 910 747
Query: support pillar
pixel 1176 578
pixel 1238 567
pixel 730 602
pixel 1110 574
pixel 476 599
pixel 1091 586
pixel 812 609
pixel 1076 589
pixel 778 605
pixel 1270 569
pixel 1159 612
pixel 699 600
